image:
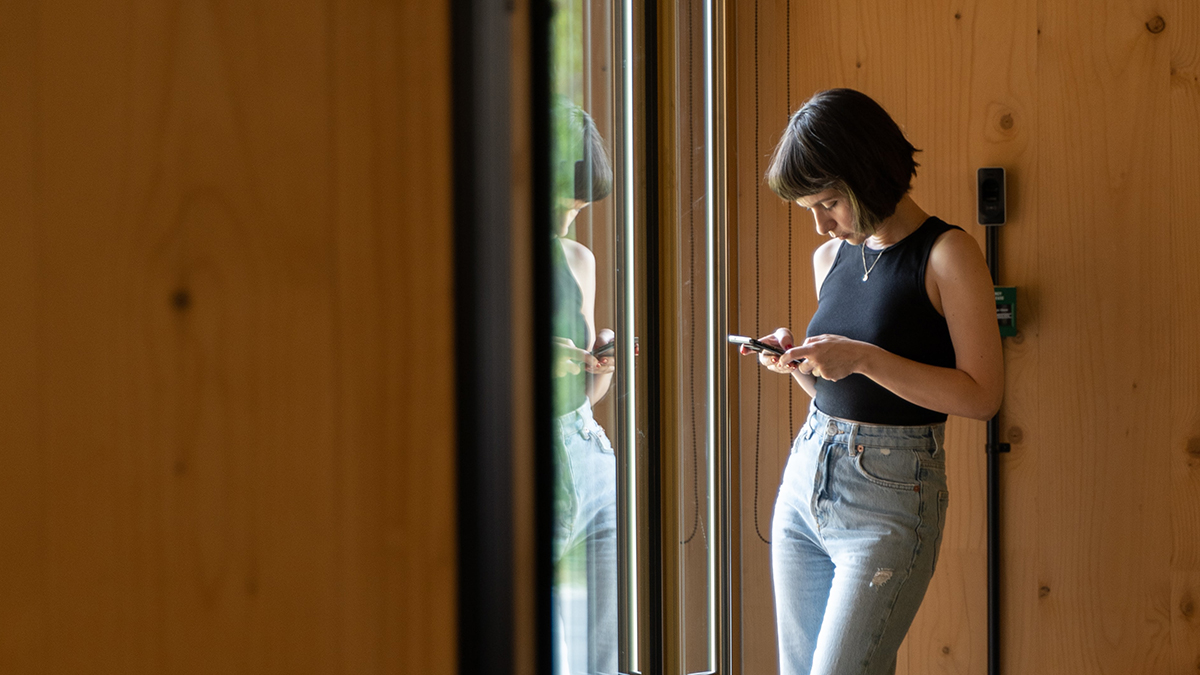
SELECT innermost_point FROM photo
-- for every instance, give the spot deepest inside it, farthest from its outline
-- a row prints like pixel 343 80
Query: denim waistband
pixel 575 421
pixel 852 433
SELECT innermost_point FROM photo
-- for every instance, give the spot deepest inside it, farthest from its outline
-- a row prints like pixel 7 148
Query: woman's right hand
pixel 604 364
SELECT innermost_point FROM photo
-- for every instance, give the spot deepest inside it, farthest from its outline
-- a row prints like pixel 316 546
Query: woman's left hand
pixel 830 357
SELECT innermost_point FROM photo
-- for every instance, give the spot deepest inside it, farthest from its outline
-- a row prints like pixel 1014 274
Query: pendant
pixel 865 276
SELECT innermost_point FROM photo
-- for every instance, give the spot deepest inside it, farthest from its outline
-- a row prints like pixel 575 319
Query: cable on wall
pixel 757 285
pixel 788 116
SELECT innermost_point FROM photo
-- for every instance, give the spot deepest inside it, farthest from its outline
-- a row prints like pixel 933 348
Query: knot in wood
pixel 1043 591
pixel 1187 608
pixel 1006 121
pixel 946 650
pixel 1156 25
pixel 1016 434
pixel 181 300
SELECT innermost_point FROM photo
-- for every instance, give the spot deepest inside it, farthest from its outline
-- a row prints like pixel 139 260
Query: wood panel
pixel 1181 25
pixel 1093 110
pixel 1105 135
pixel 223 461
pixel 23 618
pixel 410 162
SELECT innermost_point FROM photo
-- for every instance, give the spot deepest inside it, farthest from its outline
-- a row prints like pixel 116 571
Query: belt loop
pixel 853 437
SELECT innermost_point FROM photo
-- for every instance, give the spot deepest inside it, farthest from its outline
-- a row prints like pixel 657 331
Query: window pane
pixel 593 340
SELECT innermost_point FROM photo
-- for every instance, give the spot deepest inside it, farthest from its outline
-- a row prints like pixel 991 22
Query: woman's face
pixel 832 215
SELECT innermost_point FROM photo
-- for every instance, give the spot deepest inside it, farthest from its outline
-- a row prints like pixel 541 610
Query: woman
pixel 585 533
pixel 904 334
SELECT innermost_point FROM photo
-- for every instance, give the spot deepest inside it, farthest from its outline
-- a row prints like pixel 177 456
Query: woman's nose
pixel 825 224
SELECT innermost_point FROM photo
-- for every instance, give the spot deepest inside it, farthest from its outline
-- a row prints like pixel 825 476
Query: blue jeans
pixel 854 542
pixel 585 545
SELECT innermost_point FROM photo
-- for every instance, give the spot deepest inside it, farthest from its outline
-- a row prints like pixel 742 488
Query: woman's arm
pixel 582 263
pixel 961 289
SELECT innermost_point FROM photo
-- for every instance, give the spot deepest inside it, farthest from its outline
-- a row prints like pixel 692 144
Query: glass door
pixel 640 549
pixel 594 310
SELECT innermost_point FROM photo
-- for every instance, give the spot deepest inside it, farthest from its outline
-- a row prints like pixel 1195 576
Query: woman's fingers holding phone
pixel 568 358
pixel 604 366
pixel 781 339
pixel 795 361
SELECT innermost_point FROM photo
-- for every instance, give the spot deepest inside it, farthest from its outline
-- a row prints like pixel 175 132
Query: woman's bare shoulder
pixel 826 252
pixel 578 255
pixel 953 250
pixel 823 259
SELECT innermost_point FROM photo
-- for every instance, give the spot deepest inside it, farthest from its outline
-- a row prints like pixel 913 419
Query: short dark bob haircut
pixel 583 170
pixel 842 139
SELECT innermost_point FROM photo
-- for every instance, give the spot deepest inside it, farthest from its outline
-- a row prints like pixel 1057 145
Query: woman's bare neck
pixel 907 218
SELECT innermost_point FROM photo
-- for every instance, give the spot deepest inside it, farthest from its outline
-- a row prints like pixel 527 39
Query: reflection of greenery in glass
pixel 566 45
pixel 566 48
pixel 572 569
pixel 567 87
pixel 567 147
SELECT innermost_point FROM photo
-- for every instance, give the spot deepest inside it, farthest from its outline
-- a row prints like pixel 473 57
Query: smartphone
pixel 754 345
pixel 611 346
pixel 604 349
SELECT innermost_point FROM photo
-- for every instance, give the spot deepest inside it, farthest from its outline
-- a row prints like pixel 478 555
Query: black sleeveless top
pixel 891 310
pixel 566 321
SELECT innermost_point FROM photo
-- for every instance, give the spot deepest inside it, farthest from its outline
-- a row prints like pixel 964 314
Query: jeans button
pixel 832 428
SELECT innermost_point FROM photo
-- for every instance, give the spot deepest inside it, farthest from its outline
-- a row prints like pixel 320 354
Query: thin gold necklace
pixel 867 270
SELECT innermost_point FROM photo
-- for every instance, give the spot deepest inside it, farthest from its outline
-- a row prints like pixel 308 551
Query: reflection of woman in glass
pixel 905 332
pixel 585 534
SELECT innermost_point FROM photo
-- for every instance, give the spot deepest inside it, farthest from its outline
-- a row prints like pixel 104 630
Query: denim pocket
pixel 566 500
pixel 943 502
pixel 888 467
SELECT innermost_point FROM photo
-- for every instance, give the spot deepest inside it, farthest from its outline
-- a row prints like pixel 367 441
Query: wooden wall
pixel 1094 109
pixel 219 223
